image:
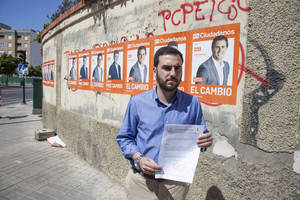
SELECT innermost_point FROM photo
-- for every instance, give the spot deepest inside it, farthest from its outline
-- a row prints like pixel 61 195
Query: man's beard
pixel 163 84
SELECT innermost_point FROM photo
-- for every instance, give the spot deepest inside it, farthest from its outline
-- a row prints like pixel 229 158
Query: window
pixel 1 44
pixel 9 52
pixel 19 37
pixel 9 37
pixel 9 44
pixel 25 45
pixel 25 37
pixel 1 52
pixel 19 45
pixel 1 37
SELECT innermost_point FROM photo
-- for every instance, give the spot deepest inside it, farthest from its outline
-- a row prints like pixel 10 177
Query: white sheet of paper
pixel 179 152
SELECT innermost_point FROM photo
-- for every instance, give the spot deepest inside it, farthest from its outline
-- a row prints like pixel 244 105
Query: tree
pixel 34 71
pixel 8 65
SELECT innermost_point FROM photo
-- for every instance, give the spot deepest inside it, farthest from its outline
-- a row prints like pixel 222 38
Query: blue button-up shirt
pixel 145 119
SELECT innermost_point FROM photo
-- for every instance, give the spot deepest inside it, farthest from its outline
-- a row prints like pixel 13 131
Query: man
pixel 141 132
pixel 84 73
pixel 98 71
pixel 138 72
pixel 73 70
pixel 215 70
pixel 114 72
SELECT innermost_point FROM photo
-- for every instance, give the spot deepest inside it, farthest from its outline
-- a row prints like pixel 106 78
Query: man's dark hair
pixel 116 52
pixel 99 54
pixel 166 50
pixel 218 38
pixel 173 44
pixel 141 48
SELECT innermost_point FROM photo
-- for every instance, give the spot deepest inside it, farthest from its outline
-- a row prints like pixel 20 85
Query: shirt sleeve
pixel 128 131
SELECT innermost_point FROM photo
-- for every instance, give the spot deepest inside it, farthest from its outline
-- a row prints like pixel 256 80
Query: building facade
pixel 12 41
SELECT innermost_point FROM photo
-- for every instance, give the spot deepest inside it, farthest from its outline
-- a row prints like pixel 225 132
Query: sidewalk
pixel 33 170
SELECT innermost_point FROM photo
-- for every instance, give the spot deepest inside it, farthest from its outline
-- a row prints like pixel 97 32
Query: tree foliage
pixel 34 71
pixel 62 8
pixel 8 64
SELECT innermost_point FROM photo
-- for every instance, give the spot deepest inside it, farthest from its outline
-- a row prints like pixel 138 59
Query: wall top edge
pixel 67 14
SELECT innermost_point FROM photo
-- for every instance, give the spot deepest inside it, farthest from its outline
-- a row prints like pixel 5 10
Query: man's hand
pixel 149 166
pixel 205 140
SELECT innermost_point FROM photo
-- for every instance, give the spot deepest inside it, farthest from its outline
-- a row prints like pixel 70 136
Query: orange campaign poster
pixel 97 69
pixel 139 66
pixel 48 73
pixel 44 73
pixel 179 41
pixel 84 70
pixel 72 70
pixel 215 56
pixel 114 70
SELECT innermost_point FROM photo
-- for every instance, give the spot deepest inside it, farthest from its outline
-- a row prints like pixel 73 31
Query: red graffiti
pixel 150 35
pixel 231 10
pixel 186 9
pixel 243 68
pixel 123 39
pixel 225 7
pixel 96 46
pixel 104 44
pixel 176 11
pixel 242 65
pixel 247 9
pixel 166 14
pixel 198 9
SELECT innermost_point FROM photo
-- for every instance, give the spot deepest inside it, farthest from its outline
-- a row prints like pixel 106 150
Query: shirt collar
pixel 140 66
pixel 175 98
pixel 217 63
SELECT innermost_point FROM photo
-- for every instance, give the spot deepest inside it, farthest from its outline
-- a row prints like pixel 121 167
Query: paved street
pixel 33 170
pixel 14 94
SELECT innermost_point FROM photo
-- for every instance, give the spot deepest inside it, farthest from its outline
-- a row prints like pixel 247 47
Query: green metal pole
pixel 24 101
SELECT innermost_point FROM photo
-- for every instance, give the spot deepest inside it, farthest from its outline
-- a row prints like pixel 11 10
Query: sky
pixel 27 14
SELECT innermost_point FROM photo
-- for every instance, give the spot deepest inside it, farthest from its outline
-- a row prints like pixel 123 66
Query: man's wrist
pixel 136 160
pixel 135 155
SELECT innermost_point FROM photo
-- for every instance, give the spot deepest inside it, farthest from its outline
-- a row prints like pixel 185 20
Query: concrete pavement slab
pixel 33 170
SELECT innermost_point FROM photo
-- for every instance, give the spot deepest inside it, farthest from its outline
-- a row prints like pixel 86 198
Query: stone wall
pixel 255 153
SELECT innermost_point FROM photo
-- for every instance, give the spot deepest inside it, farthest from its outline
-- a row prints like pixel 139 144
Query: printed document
pixel 179 152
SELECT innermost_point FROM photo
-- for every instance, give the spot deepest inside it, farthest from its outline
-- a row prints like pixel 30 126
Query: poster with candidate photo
pixel 215 64
pixel 203 54
pixel 84 70
pixel 178 41
pixel 97 69
pixel 48 71
pixel 52 73
pixel 115 69
pixel 139 73
pixel 72 70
